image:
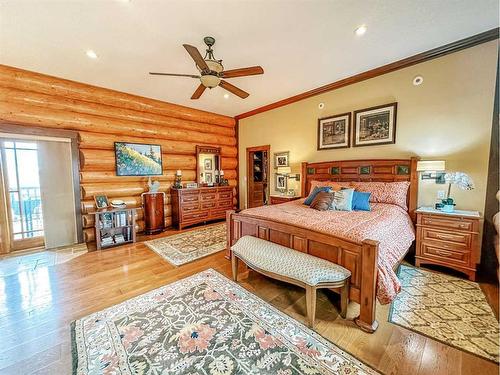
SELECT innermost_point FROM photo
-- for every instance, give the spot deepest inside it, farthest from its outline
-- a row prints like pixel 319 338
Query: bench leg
pixel 234 266
pixel 311 305
pixel 344 299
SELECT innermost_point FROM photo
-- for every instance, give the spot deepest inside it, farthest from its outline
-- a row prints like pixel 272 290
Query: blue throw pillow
pixel 342 201
pixel 361 201
pixel 315 192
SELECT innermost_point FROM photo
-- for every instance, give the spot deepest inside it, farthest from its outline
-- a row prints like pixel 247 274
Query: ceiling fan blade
pixel 174 75
pixel 251 71
pixel 196 55
pixel 236 91
pixel 198 92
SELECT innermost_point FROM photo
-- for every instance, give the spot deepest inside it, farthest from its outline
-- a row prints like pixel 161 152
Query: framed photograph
pixel 281 159
pixel 280 182
pixel 138 159
pixel 375 126
pixel 207 164
pixel 208 178
pixel 101 201
pixel 334 131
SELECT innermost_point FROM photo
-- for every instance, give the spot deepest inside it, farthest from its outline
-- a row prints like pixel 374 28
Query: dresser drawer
pixel 225 194
pixel 455 238
pixel 225 204
pixel 218 214
pixel 208 204
pixel 445 255
pixel 190 207
pixel 448 223
pixel 208 196
pixel 195 216
pixel 186 198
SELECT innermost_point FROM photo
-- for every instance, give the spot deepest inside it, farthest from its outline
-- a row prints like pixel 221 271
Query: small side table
pixel 448 239
pixel 277 199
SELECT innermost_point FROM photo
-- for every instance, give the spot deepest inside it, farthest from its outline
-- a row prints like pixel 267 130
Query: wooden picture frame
pixel 281 159
pixel 334 132
pixel 280 182
pixel 101 201
pixel 375 125
pixel 207 164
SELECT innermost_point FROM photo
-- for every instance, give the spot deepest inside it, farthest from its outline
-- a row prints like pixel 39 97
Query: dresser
pixel 193 206
pixel 448 239
pixel 277 199
pixel 154 212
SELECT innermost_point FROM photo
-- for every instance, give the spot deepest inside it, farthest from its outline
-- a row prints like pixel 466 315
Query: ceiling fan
pixel 212 71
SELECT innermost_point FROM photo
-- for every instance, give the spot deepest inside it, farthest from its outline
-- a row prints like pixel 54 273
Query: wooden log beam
pixel 110 176
pixel 112 190
pixel 14 96
pixel 58 119
pixel 15 78
pixel 88 205
pixel 106 142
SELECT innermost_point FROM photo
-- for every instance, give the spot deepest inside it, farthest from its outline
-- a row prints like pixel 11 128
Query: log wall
pixel 102 117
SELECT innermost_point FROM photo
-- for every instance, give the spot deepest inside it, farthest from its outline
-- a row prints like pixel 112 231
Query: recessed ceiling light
pixel 226 96
pixel 91 54
pixel 418 80
pixel 360 30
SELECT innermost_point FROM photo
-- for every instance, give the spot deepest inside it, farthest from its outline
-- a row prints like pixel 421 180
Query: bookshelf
pixel 114 227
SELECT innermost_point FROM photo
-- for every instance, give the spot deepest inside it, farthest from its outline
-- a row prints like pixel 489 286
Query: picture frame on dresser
pixel 375 125
pixel 334 131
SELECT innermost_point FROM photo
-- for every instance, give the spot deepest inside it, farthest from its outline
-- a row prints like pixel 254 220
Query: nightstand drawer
pixel 445 255
pixel 449 223
pixel 455 238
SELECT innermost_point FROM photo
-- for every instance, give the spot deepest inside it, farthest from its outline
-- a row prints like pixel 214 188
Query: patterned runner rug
pixel 448 309
pixel 188 246
pixel 203 324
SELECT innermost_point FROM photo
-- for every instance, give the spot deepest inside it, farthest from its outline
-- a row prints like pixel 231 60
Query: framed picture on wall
pixel 334 131
pixel 280 184
pixel 208 164
pixel 101 201
pixel 281 159
pixel 375 126
pixel 137 159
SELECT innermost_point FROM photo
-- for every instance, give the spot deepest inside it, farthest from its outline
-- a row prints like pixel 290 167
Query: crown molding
pixel 434 53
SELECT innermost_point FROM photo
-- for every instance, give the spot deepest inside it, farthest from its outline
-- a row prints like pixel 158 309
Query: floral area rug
pixel 203 324
pixel 188 246
pixel 448 309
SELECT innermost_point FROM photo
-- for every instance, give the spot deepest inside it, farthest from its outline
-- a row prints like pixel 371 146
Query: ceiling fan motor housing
pixel 212 78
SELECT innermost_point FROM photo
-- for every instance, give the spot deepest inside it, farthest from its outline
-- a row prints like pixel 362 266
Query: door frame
pixel 73 136
pixel 253 149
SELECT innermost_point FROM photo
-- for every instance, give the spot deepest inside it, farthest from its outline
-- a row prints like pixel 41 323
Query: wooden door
pixel 257 175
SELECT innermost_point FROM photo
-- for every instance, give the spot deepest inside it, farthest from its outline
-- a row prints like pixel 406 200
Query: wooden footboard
pixel 360 259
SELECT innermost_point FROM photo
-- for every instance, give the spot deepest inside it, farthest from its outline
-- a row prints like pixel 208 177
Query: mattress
pixel 387 223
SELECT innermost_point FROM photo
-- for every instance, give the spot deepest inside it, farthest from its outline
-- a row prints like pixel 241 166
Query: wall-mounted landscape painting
pixel 137 159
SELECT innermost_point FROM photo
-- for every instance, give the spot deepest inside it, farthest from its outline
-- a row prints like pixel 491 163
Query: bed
pixel 369 244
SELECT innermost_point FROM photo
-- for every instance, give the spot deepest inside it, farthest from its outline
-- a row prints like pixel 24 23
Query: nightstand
pixel 448 239
pixel 277 199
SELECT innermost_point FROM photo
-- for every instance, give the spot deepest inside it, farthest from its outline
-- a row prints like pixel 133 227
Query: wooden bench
pixel 292 266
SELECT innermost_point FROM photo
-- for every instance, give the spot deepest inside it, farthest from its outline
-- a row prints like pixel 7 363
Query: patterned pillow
pixel 385 192
pixel 314 192
pixel 335 185
pixel 342 201
pixel 322 201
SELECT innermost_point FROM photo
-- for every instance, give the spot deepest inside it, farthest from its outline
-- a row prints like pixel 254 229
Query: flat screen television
pixel 138 159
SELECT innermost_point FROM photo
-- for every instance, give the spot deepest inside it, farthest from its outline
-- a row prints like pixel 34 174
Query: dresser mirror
pixel 208 166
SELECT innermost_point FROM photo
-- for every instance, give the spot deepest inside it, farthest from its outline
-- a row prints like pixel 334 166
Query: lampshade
pixel 430 165
pixel 284 170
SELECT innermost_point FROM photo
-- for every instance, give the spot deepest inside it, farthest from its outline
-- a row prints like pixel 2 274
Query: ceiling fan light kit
pixel 212 71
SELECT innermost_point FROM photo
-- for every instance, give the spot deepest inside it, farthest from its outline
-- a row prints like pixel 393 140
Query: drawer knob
pixel 443 253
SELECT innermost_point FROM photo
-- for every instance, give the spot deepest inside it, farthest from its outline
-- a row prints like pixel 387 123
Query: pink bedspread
pixel 387 223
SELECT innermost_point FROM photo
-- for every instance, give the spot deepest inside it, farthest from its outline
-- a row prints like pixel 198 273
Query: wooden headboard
pixel 383 170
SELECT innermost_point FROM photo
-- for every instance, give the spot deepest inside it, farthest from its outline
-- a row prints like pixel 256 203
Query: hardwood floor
pixel 38 305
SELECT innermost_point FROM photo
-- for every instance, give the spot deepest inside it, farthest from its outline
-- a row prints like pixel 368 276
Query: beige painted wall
pixel 448 117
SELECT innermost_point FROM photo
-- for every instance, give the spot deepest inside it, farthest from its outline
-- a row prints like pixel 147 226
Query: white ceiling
pixel 300 44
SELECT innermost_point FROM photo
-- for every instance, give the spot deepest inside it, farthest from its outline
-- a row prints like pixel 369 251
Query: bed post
pixel 369 256
pixel 229 236
pixel 303 183
pixel 413 195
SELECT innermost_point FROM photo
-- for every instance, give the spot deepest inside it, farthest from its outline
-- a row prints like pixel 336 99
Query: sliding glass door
pixel 22 187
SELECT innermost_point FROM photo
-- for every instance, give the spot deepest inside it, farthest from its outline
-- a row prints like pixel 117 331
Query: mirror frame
pixel 206 150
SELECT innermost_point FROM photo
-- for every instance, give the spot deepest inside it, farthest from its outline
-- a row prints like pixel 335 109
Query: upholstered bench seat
pixel 292 266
